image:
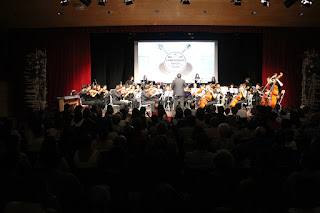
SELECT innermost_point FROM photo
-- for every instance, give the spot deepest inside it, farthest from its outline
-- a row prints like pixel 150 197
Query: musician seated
pixel 130 81
pixel 159 91
pixel 194 90
pixel 213 81
pixel 215 92
pixel 242 89
pixel 257 94
pixel 167 97
pixel 130 96
pixel 116 98
pixel 146 98
pixel 87 96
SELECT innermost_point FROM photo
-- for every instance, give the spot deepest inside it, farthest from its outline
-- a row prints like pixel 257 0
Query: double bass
pixel 271 91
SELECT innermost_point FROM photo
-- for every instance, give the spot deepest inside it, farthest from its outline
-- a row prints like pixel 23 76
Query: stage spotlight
pixel 237 2
pixel 185 1
pixel 289 3
pixel 64 2
pixel 102 2
pixel 265 3
pixel 128 2
pixel 307 3
pixel 86 2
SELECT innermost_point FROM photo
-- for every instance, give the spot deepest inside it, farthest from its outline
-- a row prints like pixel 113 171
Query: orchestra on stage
pixel 149 93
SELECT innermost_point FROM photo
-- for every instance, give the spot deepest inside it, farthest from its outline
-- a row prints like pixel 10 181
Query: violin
pixel 200 90
pixel 93 93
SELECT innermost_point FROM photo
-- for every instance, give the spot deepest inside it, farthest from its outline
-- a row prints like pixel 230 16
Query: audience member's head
pixel 109 110
pixel 187 113
pixel 116 119
pixel 227 111
pixel 220 110
pixel 234 110
pixel 224 130
pixel 154 119
pixel 162 128
pixel 179 113
pixel 200 114
pixel 223 160
pixel 214 122
pixel 231 120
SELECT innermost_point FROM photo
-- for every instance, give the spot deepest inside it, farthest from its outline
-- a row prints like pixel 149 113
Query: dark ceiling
pixel 43 13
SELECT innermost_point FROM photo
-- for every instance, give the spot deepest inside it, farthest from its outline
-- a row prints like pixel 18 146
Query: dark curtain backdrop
pixel 112 58
pixel 239 55
pixel 68 62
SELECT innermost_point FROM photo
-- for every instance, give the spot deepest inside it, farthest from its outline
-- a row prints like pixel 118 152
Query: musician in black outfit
pixel 197 79
pixel 116 98
pixel 146 99
pixel 86 98
pixel 213 81
pixel 130 81
pixel 144 81
pixel 248 83
pixel 257 94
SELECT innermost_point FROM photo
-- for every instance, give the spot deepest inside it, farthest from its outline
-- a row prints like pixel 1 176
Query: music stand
pixel 283 92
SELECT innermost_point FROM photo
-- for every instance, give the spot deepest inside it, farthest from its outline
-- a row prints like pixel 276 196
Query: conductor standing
pixel 178 86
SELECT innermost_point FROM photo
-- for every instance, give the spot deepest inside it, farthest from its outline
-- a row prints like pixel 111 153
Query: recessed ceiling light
pixel 108 11
pixel 102 2
pixel 128 2
pixel 205 11
pixel 59 13
pixel 300 14
pixel 253 12
pixel 64 2
pixel 185 1
pixel 157 11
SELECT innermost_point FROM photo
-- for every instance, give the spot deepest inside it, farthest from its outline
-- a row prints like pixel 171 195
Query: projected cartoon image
pixel 175 62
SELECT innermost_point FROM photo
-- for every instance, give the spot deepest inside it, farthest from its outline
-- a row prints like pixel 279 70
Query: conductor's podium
pixel 73 100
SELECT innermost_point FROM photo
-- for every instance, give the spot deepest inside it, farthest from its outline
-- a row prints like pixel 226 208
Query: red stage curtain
pixel 68 60
pixel 282 52
pixel 69 64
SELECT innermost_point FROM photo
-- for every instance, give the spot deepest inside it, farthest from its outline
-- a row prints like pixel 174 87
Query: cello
pixel 237 98
pixel 207 97
pixel 235 101
pixel 204 100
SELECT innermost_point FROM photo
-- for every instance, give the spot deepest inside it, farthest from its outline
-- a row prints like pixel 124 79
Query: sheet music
pixel 224 90
pixel 234 90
